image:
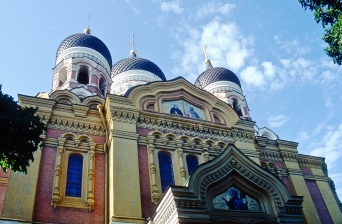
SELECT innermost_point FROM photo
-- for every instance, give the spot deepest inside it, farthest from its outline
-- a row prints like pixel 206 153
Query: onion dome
pixel 136 63
pixel 216 74
pixel 85 40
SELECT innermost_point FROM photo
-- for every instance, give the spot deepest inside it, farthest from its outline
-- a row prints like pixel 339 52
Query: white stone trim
pixel 265 132
pixel 81 91
pixel 125 80
pixel 223 85
pixel 83 52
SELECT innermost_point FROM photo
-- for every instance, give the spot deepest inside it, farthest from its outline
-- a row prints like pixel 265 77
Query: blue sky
pixel 274 47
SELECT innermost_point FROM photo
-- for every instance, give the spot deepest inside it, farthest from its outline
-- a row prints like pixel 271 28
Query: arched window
pixel 192 163
pixel 74 177
pixel 102 85
pixel 236 107
pixel 166 171
pixel 83 75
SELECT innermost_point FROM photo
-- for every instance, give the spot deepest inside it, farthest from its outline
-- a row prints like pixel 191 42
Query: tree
pixel 329 14
pixel 20 132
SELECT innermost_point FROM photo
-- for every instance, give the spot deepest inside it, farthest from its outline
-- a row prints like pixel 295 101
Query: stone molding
pixel 87 53
pixel 124 116
pixel 270 156
pixel 53 142
pixel 76 126
pixel 311 162
pixel 199 129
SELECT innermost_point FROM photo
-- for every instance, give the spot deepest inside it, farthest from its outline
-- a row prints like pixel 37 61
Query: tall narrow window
pixel 83 75
pixel 192 163
pixel 102 85
pixel 74 177
pixel 166 171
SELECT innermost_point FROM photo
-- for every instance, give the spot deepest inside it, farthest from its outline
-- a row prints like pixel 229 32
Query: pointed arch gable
pixel 180 89
pixel 233 160
pixel 232 169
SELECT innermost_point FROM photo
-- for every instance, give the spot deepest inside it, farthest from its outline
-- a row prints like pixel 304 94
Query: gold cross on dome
pixel 132 43
pixel 204 52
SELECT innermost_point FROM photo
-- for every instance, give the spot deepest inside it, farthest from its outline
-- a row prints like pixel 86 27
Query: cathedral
pixel 125 145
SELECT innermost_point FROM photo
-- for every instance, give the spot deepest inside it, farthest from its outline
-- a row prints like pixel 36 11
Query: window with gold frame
pixel 69 146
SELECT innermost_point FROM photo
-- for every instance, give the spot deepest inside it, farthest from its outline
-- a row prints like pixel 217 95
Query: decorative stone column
pixel 155 190
pixel 181 162
pixel 91 174
pixel 58 172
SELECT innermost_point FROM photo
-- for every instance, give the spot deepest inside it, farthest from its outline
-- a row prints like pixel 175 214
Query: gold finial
pixel 87 30
pixel 133 52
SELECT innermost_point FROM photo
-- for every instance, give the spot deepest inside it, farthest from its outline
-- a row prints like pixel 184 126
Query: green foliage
pixel 329 14
pixel 19 134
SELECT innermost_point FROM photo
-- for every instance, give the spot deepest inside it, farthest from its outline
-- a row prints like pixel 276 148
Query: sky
pixel 274 47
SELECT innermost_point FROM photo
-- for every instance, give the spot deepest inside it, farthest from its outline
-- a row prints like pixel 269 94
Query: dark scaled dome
pixel 136 63
pixel 85 40
pixel 216 74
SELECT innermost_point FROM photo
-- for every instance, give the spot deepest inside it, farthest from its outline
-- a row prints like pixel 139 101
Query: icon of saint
pixel 192 113
pixel 176 110
pixel 235 202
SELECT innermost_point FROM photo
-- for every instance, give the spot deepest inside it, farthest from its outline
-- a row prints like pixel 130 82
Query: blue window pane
pixel 192 163
pixel 166 171
pixel 74 177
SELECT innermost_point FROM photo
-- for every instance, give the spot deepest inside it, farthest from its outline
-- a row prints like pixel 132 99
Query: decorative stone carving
pixel 72 126
pixel 312 163
pixel 270 156
pixel 125 116
pixel 291 157
pixel 194 130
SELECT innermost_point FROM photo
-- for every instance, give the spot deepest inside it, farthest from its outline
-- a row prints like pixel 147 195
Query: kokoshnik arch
pixel 125 145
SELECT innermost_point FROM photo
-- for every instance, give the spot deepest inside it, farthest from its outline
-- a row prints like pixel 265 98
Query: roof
pixel 216 74
pixel 136 63
pixel 85 40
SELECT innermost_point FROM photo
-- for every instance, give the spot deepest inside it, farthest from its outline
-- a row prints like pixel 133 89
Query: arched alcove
pixel 83 75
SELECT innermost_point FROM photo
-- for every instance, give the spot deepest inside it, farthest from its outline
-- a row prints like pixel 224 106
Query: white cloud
pixel 213 8
pixel 293 46
pixel 328 103
pixel 330 146
pixel 227 47
pixel 277 121
pixel 171 6
pixel 253 76
pixel 303 135
pixel 269 69
pixel 328 77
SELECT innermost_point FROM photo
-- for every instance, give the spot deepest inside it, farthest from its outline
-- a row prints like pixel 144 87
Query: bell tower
pixel 83 65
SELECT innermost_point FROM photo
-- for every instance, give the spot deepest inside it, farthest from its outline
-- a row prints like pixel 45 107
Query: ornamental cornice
pixel 310 162
pixel 90 56
pixel 289 157
pixel 35 101
pixel 270 156
pixel 53 142
pixel 75 126
pixel 199 129
pixel 125 116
